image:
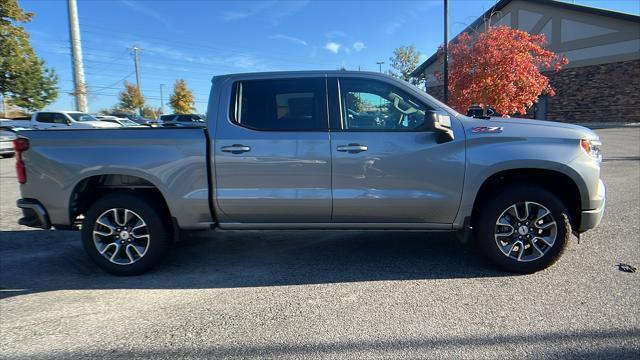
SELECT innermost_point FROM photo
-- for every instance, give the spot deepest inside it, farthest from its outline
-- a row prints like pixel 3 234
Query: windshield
pixel 128 122
pixel 82 117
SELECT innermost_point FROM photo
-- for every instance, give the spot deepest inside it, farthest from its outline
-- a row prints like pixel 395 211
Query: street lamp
pixel 161 99
pixel 380 65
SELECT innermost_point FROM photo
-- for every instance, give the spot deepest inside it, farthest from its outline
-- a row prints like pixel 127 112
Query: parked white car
pixel 56 120
pixel 124 122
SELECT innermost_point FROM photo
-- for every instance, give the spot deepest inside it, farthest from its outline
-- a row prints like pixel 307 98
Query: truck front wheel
pixel 523 228
pixel 125 234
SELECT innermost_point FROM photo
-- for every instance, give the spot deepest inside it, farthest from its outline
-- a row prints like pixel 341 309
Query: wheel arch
pixel 557 182
pixel 90 188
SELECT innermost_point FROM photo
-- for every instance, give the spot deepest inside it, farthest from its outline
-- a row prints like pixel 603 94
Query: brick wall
pixel 597 93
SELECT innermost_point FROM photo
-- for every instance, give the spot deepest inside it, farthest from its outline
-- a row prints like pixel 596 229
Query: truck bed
pixel 173 160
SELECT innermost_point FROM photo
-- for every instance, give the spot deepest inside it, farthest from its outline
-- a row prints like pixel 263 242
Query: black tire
pixel 157 227
pixel 492 209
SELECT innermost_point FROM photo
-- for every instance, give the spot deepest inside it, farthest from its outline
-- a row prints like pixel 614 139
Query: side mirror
pixel 439 122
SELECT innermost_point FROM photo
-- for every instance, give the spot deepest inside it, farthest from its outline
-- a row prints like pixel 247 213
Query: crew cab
pixel 59 120
pixel 317 150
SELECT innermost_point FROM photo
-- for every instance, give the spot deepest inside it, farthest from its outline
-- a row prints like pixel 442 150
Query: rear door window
pixel 44 117
pixel 280 105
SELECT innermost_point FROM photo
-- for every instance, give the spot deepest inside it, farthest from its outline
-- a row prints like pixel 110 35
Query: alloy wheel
pixel 525 231
pixel 121 236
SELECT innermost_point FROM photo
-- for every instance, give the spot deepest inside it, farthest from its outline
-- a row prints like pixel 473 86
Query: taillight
pixel 21 145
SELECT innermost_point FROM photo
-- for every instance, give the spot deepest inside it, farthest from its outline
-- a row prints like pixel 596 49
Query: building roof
pixel 502 3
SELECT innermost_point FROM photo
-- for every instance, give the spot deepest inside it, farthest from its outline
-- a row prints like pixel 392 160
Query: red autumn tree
pixel 500 68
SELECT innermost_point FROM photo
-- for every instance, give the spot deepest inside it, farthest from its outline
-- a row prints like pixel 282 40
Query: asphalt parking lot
pixel 327 295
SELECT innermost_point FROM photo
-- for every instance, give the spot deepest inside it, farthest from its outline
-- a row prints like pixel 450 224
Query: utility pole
pixel 4 106
pixel 446 51
pixel 137 63
pixel 161 100
pixel 80 90
pixel 136 60
pixel 380 65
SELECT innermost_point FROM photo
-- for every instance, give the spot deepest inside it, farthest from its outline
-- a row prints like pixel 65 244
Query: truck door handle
pixel 352 148
pixel 236 149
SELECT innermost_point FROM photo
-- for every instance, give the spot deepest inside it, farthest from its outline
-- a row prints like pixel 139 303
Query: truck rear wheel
pixel 523 229
pixel 125 234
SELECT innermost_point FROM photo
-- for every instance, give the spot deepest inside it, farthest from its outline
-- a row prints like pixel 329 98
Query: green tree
pixel 405 59
pixel 24 78
pixel 182 101
pixel 130 98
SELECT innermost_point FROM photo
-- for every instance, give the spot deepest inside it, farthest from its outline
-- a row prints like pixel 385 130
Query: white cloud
pixel 358 46
pixel 289 38
pixel 333 47
pixel 255 10
pixel 272 10
pixel 146 11
pixel 335 34
pixel 244 61
pixel 393 27
pixel 408 15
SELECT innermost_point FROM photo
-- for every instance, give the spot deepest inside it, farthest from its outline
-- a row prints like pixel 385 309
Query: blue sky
pixel 196 40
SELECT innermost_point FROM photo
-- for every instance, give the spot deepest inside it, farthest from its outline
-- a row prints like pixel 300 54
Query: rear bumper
pixel 589 219
pixel 6 148
pixel 34 214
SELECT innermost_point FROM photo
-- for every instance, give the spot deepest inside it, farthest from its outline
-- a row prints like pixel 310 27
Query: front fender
pixel 489 155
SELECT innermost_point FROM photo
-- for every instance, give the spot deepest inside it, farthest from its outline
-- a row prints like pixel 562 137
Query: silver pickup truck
pixel 316 150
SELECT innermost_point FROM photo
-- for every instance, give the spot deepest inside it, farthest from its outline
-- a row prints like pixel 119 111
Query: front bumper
pixel 34 214
pixel 589 219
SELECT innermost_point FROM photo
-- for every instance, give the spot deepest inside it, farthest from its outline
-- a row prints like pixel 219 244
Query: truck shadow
pixel 36 261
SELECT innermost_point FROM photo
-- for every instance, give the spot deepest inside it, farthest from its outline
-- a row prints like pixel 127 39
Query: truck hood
pixel 551 128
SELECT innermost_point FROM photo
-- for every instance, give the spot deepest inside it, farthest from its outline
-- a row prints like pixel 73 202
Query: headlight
pixel 592 148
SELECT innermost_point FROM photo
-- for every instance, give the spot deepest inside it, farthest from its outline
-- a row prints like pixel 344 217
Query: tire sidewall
pixel 493 209
pixel 158 231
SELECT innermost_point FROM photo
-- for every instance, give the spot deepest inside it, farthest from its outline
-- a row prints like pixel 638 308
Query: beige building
pixel 601 81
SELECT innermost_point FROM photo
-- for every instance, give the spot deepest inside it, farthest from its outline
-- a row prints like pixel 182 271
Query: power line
pixel 115 83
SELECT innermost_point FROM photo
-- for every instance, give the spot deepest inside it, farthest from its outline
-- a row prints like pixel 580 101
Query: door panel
pixel 401 177
pixel 385 167
pixel 273 160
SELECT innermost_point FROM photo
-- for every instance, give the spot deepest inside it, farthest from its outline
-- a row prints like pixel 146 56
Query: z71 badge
pixel 487 129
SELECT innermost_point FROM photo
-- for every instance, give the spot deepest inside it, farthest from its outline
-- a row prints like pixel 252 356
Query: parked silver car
pixel 6 143
pixel 317 150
